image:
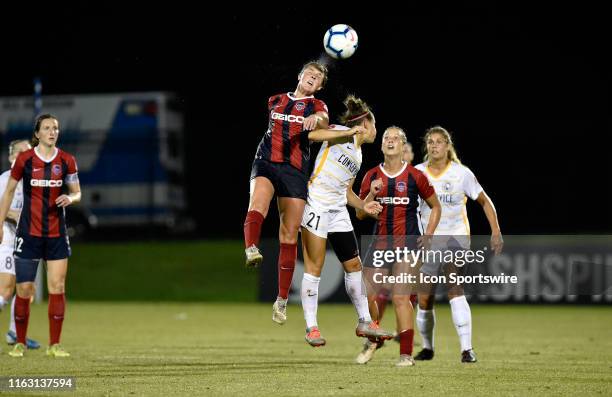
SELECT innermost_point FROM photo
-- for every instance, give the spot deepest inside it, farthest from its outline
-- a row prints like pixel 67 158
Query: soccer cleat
pixel 468 356
pixel 314 338
pixel 11 339
pixel 253 257
pixel 369 348
pixel 279 311
pixel 425 354
pixel 57 351
pixel 372 330
pixel 18 350
pixel 405 360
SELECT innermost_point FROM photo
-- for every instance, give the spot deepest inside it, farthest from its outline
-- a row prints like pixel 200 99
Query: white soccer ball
pixel 340 41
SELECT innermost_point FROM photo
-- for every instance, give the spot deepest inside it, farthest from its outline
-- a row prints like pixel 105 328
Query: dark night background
pixel 525 91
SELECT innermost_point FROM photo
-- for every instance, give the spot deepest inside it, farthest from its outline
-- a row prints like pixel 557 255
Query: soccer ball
pixel 340 41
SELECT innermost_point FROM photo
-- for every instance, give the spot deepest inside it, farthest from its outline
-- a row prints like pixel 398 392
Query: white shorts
pixel 7 262
pixel 320 222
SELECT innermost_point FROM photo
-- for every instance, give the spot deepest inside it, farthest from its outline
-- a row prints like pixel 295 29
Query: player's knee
pixel 288 234
pixel 401 300
pixel 313 268
pixel 56 286
pixel 260 207
pixel 352 265
pixel 25 290
pixel 455 291
pixel 6 292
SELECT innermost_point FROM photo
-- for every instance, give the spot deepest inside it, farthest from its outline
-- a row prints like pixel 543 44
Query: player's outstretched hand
pixel 310 122
pixel 373 208
pixel 63 201
pixel 497 243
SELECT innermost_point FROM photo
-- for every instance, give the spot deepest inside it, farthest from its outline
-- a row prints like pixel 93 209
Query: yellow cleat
pixel 18 350
pixel 57 351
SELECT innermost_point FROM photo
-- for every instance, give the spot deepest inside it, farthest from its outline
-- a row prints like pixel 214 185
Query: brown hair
pixel 452 153
pixel 356 111
pixel 37 124
pixel 320 67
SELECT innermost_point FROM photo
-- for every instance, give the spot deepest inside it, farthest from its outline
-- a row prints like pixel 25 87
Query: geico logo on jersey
pixel 287 117
pixel 46 182
pixel 394 200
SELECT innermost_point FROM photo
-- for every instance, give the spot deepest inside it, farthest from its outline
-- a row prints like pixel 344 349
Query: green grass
pixel 236 350
pixel 161 271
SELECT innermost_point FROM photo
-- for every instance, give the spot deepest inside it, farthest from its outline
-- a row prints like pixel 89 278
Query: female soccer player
pixel 384 291
pixel 281 167
pixel 41 232
pixel 453 183
pixel 7 262
pixel 326 217
pixel 397 186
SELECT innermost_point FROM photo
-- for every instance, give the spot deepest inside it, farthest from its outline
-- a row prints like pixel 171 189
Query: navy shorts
pixel 287 180
pixel 376 255
pixel 47 248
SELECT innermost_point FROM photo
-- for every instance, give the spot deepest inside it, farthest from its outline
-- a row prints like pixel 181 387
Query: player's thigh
pixel 7 285
pixel 343 240
pixel 7 261
pixel 261 194
pixel 315 220
pixel 346 249
pixel 406 278
pixel 56 275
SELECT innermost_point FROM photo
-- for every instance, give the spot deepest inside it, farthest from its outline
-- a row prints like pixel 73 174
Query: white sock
pixel 310 298
pixel 2 302
pixel 12 326
pixel 462 318
pixel 426 321
pixel 357 292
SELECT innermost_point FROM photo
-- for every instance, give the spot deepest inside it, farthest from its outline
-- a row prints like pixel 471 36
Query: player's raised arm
pixel 317 120
pixel 321 135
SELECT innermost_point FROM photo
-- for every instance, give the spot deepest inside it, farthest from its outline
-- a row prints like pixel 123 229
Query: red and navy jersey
pixel 286 141
pixel 399 197
pixel 42 185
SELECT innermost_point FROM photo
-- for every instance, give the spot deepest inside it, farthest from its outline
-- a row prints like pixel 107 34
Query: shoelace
pixel 314 333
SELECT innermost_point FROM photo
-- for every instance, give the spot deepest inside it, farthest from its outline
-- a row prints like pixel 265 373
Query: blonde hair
pixel 320 67
pixel 402 134
pixel 14 143
pixel 452 153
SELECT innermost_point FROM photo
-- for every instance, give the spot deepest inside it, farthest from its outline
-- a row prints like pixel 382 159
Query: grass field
pixel 235 349
pixel 161 271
